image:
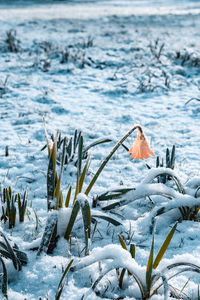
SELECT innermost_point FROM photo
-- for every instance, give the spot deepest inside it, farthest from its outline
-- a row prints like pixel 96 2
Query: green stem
pixel 109 156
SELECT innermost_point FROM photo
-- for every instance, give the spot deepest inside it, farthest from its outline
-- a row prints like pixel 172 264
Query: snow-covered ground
pixel 99 67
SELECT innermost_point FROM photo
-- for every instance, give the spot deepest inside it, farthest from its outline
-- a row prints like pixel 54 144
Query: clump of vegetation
pixel 71 146
pixel 156 48
pixel 66 150
pixel 10 252
pixel 177 199
pixel 80 201
pixel 76 54
pixel 13 43
pixel 3 86
pixel 10 204
pixel 169 163
pixel 55 199
pixel 187 58
pixel 149 281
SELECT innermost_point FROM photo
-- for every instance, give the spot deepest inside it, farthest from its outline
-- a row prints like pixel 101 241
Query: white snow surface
pixel 95 66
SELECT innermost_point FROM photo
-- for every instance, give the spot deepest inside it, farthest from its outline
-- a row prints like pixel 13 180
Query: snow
pixel 156 172
pixel 63 220
pixel 95 66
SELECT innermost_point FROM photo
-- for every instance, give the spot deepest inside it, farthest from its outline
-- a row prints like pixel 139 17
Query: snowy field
pixel 101 67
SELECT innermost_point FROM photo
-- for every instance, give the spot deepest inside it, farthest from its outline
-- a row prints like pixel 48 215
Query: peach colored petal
pixel 140 148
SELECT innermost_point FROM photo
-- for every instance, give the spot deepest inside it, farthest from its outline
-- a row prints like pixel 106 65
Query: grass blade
pixel 58 194
pixel 150 266
pixel 75 138
pixel 122 242
pixel 51 175
pixel 121 278
pixel 113 205
pixel 82 177
pixel 69 148
pixel 86 214
pixel 61 284
pixel 4 286
pixel 80 152
pixel 49 234
pixel 79 164
pixel 132 250
pixel 168 161
pixel 98 142
pixel 68 197
pixel 77 188
pixel 164 247
pixel 117 193
pixel 72 219
pixel 106 218
pixel 173 157
pixel 15 260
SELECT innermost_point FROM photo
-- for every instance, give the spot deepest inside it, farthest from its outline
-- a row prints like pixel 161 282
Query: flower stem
pixel 109 156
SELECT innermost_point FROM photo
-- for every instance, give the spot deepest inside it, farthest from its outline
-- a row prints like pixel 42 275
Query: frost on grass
pixel 119 258
pixel 49 232
pixel 153 173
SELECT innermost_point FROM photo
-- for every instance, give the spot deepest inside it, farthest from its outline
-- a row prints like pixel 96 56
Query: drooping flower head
pixel 140 148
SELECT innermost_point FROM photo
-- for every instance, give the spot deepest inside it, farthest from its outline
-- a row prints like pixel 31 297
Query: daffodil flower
pixel 140 148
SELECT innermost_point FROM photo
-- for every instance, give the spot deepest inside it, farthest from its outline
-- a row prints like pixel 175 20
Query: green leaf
pixel 21 256
pixel 148 166
pixel 69 148
pixel 49 234
pixel 22 206
pixel 173 157
pixel 86 214
pixel 98 142
pixel 196 193
pixel 121 278
pixel 77 188
pixel 122 242
pixel 72 219
pixel 157 162
pixel 68 197
pixel 51 174
pixel 75 138
pixel 113 205
pixel 125 147
pixel 4 286
pixel 117 193
pixel 150 266
pixel 164 247
pixel 82 177
pixel 3 245
pixel 5 254
pixel 15 260
pixel 106 218
pixel 132 250
pixel 57 192
pixel 80 152
pixel 168 161
pixel 79 164
pixel 63 155
pixel 61 284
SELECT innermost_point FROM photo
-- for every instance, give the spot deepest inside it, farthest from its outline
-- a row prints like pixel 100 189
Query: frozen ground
pixel 99 67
